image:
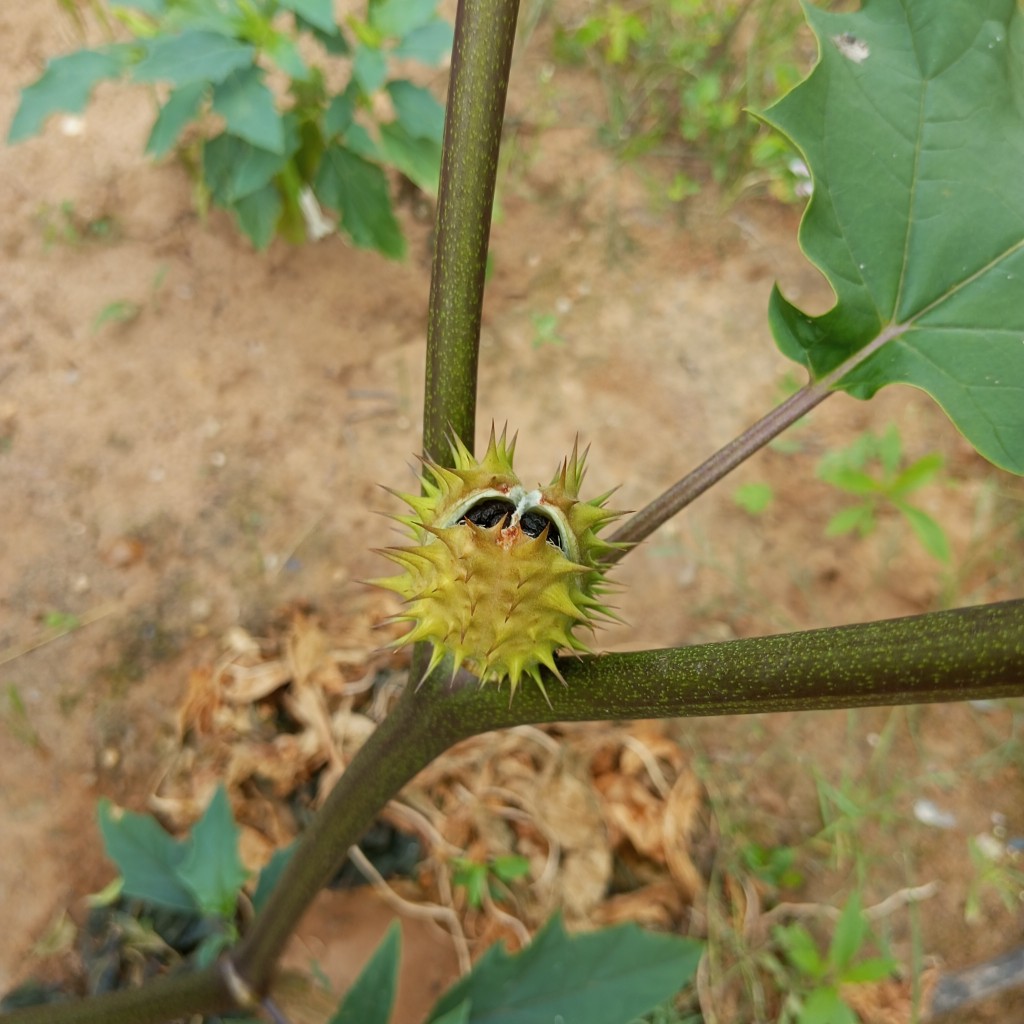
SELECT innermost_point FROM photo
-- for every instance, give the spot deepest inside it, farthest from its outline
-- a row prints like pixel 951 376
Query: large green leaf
pixel 234 168
pixel 212 868
pixel 147 857
pixel 358 190
pixel 428 44
pixel 193 56
pixel 372 994
pixel 912 124
pixel 65 85
pixel 419 159
pixel 248 109
pixel 603 977
pixel 259 213
pixel 181 107
pixel 418 112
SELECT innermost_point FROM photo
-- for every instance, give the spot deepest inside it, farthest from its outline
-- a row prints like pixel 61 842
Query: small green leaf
pixel 854 481
pixel 270 874
pixel 429 44
pixel 400 17
pixel 603 977
pixel 146 856
pixel 916 475
pixel 65 85
pixel 857 517
pixel 418 112
pixel 369 69
pixel 877 968
pixel 418 159
pixel 754 498
pixel 213 869
pixel 247 106
pixel 193 56
pixel 372 994
pixel 511 867
pixel 358 191
pixel 801 950
pixel 851 931
pixel 121 311
pixel 258 214
pixel 890 449
pixel 319 13
pixel 931 535
pixel 823 1006
pixel 181 107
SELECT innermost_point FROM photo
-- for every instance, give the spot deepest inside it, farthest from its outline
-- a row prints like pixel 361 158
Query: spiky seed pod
pixel 501 576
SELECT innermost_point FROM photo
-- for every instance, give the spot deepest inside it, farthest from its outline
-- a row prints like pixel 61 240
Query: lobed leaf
pixel 191 56
pixel 603 977
pixel 912 124
pixel 428 44
pixel 65 85
pixel 419 159
pixel 212 868
pixel 182 106
pixel 248 109
pixel 147 857
pixel 358 190
pixel 258 214
pixel 418 112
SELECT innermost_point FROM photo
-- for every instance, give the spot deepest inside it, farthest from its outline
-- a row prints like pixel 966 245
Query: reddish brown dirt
pixel 219 455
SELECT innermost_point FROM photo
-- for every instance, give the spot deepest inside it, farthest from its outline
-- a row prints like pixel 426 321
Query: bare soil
pixel 216 458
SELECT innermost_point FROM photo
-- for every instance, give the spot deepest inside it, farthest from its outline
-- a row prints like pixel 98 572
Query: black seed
pixel 535 523
pixel 489 512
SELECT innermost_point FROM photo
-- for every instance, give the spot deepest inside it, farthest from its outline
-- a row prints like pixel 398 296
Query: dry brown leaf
pixel 568 812
pixel 681 810
pixel 881 1002
pixel 633 813
pixel 246 684
pixel 583 879
pixel 202 701
pixel 658 905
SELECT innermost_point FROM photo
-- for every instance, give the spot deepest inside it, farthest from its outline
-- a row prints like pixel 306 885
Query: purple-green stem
pixel 485 33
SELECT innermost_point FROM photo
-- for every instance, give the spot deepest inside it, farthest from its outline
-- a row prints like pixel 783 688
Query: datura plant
pixel 501 576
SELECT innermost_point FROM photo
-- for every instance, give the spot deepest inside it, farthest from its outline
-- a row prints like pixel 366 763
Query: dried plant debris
pixel 593 820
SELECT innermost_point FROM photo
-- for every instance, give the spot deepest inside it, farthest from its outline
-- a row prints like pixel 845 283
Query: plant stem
pixel 724 461
pixel 966 653
pixel 409 738
pixel 162 999
pixel 481 59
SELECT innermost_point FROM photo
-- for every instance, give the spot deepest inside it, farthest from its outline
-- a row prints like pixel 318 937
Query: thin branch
pixel 709 472
pixel 481 59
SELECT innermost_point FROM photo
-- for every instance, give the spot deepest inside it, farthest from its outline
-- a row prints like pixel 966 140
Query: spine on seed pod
pixel 500 577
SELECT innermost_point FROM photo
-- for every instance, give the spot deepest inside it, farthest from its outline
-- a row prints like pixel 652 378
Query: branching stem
pixel 709 472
